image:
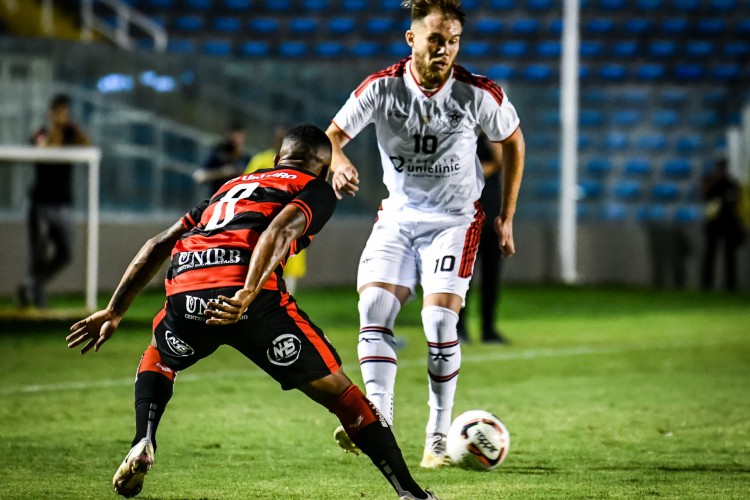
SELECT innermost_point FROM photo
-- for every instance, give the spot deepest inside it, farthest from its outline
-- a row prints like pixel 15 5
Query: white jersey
pixel 428 142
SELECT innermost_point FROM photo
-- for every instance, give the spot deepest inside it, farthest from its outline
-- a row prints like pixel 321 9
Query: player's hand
pixel 228 310
pixel 94 330
pixel 345 180
pixel 504 230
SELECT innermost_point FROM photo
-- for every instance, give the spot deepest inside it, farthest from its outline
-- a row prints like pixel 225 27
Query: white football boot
pixel 344 441
pixel 128 479
pixel 435 455
pixel 409 496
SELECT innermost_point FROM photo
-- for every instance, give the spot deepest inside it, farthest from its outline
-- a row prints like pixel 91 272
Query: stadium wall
pixel 607 254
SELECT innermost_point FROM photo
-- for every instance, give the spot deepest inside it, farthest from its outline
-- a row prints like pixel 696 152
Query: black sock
pixel 152 393
pixel 379 443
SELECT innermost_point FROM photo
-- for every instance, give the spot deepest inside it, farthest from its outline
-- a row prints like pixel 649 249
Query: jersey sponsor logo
pixel 422 167
pixel 285 350
pixel 187 261
pixel 196 306
pixel 268 175
pixel 178 346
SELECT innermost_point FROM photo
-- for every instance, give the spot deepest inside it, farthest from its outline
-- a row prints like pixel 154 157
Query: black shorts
pixel 273 333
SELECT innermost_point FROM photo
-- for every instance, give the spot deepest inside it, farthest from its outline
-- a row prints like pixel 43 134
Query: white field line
pixel 528 354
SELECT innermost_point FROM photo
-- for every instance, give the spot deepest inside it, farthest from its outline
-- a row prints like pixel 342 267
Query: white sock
pixel 443 363
pixel 377 347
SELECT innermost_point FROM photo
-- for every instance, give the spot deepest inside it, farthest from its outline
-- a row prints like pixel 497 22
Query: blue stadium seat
pixel 613 72
pixel 391 5
pixel 476 49
pixel 237 4
pixel 255 49
pixel 689 143
pixel 330 49
pixel 487 26
pixel 514 48
pixel 556 27
pixel 199 4
pixel 264 25
pixel 293 49
pixel 651 213
pixel 627 117
pixel 599 26
pixel 469 5
pixel 591 118
pixel 303 25
pixel 341 25
pixel 591 95
pixel 724 5
pixel 633 96
pixel 504 5
pixel 712 26
pixel 227 24
pixel 687 5
pixel 217 47
pixel 614 212
pixel 726 72
pixel 737 48
pixel 548 188
pixel 180 46
pixel 366 49
pixel 627 190
pixel 677 168
pixel 553 165
pixel 625 48
pixel 500 72
pixel 189 23
pixel 637 166
pixel 654 141
pixel 715 96
pixel 354 5
pixel 699 48
pixel 649 5
pixel 590 189
pixel 637 26
pixel 689 72
pixel 525 26
pixel 599 167
pixel 675 26
pixel 588 48
pixel 662 48
pixel 584 141
pixel 379 25
pixel 160 4
pixel 616 141
pixel 279 5
pixel 742 28
pixel 315 5
pixel 584 71
pixel 548 48
pixel 704 119
pixel 539 6
pixel 538 72
pixel 688 213
pixel 160 20
pixel 399 49
pixel 675 95
pixel 665 191
pixel 613 5
pixel 666 117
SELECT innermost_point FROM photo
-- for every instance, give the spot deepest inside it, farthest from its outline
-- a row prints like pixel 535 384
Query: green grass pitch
pixel 607 393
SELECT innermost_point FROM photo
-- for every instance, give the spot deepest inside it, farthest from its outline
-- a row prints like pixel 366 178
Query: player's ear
pixel 409 38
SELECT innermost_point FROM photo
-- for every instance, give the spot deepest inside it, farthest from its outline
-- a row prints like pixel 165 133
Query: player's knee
pixel 439 323
pixel 378 307
pixel 151 361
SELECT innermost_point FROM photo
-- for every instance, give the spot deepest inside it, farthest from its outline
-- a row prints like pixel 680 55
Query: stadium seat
pixel 293 49
pixel 742 28
pixel 726 72
pixel 591 118
pixel 614 212
pixel 599 26
pixel 599 167
pixel 724 5
pixel 538 72
pixel 354 5
pixel 548 188
pixel 315 6
pixel 699 48
pixel 633 96
pixel 476 49
pixel 677 168
pixel 487 26
pixel 199 4
pixel 625 48
pixel 737 49
pixel 688 213
pixel 503 5
pixel 548 48
pixel 366 49
pixel 675 26
pixel 687 5
pixel 590 189
pixel 379 25
pixel 303 25
pixel 217 48
pixel 613 72
pixel 666 117
pixel 627 117
pixel 237 4
pixel 514 48
pixel 712 27
pixel 689 143
pixel 525 26
pixel 255 49
pixel 654 141
pixel 279 5
pixel 665 191
pixel 613 5
pixel 616 141
pixel 675 95
pixel 180 46
pixel 553 165
pixel 649 5
pixel 470 5
pixel 689 72
pixel 390 5
pixel 584 141
pixel 330 49
pixel 227 24
pixel 584 71
pixel 627 190
pixel 592 96
pixel 399 49
pixel 651 213
pixel 500 72
pixel 539 6
pixel 662 48
pixel 264 25
pixel 341 25
pixel 556 27
pixel 704 119
pixel 589 48
pixel 637 26
pixel 715 96
pixel 160 4
pixel 638 166
pixel 188 23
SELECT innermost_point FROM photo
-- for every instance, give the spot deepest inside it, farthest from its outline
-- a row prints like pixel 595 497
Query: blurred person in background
pixel 723 226
pixel 226 160
pixel 490 258
pixel 50 222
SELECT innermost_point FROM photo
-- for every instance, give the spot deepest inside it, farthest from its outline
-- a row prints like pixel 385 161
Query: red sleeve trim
pixel 304 207
pixel 463 75
pixel 341 129
pixel 390 72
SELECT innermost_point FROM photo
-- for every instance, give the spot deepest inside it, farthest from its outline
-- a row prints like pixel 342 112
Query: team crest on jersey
pixel 178 346
pixel 453 118
pixel 285 350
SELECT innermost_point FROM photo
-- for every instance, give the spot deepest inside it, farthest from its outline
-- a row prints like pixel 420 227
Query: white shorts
pixel 409 247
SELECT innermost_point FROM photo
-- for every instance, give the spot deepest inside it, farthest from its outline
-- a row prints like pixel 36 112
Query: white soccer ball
pixel 478 440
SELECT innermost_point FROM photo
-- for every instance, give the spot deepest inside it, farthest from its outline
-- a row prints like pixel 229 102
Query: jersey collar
pixel 411 82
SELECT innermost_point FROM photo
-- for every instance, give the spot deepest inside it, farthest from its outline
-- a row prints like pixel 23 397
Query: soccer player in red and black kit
pixel 225 286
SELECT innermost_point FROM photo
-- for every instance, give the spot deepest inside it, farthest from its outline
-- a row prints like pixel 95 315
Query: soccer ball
pixel 478 440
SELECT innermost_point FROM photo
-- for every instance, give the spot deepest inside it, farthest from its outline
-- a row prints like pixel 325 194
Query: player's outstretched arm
pixel 99 327
pixel 272 246
pixel 512 152
pixel 345 178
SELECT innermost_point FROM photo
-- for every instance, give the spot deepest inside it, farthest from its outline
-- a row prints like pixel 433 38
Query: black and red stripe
pixel 463 75
pixel 471 244
pixel 390 72
pixel 442 378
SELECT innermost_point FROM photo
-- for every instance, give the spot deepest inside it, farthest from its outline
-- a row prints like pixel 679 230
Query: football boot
pixel 435 455
pixel 128 479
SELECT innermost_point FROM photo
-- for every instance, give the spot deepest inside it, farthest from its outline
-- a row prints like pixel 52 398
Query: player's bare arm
pixel 99 327
pixel 511 151
pixel 345 178
pixel 272 246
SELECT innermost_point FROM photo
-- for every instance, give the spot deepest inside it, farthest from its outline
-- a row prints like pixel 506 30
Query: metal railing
pixel 125 18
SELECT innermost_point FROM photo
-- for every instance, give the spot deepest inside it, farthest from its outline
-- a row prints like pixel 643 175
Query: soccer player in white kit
pixel 428 114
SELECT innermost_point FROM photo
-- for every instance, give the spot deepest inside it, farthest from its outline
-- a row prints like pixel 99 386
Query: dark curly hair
pixel 422 8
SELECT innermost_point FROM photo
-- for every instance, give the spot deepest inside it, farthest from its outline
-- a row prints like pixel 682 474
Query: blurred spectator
pixel 50 223
pixel 670 249
pixel 226 160
pixel 488 253
pixel 721 195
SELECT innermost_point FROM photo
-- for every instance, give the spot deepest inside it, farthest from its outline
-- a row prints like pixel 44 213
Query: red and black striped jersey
pixel 224 229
